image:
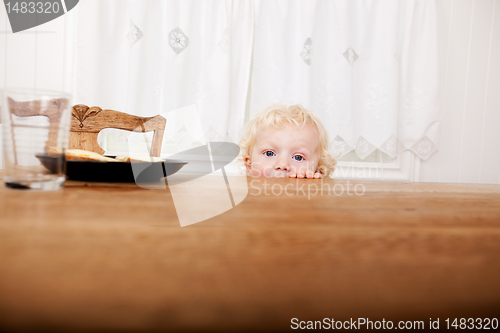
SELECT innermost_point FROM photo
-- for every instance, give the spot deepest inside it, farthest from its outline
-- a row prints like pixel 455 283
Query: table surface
pixel 114 257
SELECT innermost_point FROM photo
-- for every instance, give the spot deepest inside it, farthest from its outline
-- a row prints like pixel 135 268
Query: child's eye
pixel 298 158
pixel 269 153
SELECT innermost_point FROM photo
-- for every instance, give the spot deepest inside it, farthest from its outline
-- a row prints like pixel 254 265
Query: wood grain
pixel 101 257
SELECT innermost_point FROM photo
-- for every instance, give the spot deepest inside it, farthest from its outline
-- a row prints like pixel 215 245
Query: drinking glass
pixel 36 127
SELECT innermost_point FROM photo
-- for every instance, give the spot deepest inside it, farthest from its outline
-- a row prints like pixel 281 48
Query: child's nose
pixel 282 164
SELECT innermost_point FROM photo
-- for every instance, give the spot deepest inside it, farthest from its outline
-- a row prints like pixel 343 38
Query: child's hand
pixel 304 174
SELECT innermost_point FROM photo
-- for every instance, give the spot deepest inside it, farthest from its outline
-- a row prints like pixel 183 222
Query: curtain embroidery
pixel 377 99
pixel 224 41
pixel 350 55
pixel 134 34
pixel 178 40
pixel 306 51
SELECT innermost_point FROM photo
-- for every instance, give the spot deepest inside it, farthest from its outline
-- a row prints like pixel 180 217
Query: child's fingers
pixel 317 175
pixel 301 174
pixel 309 175
pixel 292 175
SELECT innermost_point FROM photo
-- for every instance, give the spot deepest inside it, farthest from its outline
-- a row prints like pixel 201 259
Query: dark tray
pixel 113 172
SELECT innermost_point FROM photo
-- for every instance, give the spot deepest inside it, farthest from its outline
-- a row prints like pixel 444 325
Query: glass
pixel 36 128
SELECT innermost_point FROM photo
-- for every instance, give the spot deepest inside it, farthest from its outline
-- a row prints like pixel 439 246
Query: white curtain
pixel 367 68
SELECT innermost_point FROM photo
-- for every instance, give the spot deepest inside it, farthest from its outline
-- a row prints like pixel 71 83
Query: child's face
pixel 291 151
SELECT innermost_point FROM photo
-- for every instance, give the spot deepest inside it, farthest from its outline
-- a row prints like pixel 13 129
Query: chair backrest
pixel 87 122
pixel 52 110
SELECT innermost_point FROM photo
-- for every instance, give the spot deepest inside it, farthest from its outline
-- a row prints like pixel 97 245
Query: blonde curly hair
pixel 276 115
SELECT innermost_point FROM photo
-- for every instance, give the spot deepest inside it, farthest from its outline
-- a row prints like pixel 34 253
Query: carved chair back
pixel 87 122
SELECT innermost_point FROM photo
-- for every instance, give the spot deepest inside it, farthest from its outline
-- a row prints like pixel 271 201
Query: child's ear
pixel 248 162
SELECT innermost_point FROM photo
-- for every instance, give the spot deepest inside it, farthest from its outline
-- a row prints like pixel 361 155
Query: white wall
pixel 469 45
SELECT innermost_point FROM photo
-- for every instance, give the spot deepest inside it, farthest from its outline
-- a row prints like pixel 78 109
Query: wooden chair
pixel 87 122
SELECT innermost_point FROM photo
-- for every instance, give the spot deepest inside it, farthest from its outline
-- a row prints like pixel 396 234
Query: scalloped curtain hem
pixel 423 148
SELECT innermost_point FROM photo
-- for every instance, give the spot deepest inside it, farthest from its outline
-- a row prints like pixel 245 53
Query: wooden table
pixel 114 257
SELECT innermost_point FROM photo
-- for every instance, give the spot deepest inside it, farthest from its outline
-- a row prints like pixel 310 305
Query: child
pixel 286 141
